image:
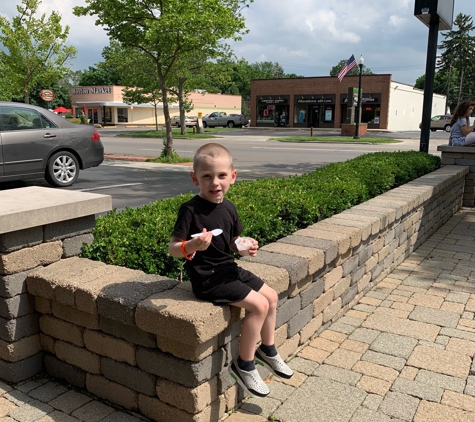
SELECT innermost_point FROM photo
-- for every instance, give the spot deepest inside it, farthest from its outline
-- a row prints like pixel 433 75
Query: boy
pixel 214 274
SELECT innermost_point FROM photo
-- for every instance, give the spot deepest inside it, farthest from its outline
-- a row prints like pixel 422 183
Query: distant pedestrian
pixel 461 133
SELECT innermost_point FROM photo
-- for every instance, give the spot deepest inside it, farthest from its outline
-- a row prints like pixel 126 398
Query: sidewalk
pixel 403 353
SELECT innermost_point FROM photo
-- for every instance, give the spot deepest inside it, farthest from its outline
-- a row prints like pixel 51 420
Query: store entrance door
pixel 314 116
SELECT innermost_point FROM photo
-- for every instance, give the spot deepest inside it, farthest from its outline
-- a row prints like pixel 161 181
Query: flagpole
pixel 358 106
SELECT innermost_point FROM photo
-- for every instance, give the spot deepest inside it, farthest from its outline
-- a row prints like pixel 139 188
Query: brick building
pixel 323 102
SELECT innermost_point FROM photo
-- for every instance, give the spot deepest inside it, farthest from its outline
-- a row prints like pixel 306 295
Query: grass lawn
pixel 176 133
pixel 335 139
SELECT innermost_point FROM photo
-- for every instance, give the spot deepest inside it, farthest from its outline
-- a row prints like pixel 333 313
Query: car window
pixel 213 115
pixel 436 118
pixel 18 118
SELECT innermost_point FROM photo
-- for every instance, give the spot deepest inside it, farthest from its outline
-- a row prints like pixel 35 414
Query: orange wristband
pixel 189 257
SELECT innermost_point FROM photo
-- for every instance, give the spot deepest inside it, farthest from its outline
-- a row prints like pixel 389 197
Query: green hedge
pixel 269 208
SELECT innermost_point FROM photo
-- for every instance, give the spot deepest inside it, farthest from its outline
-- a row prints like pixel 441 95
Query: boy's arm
pixel 252 251
pixel 199 243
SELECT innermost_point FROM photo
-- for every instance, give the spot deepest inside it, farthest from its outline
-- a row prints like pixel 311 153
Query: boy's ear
pixel 194 178
pixel 233 176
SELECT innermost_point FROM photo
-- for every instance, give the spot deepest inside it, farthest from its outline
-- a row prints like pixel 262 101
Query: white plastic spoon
pixel 216 232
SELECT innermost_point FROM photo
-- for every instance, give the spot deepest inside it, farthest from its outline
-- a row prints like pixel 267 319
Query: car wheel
pixel 433 130
pixel 231 123
pixel 447 128
pixel 177 124
pixel 205 125
pixel 62 169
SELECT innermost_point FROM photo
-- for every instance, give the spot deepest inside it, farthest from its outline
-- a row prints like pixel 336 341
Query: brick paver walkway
pixel 403 353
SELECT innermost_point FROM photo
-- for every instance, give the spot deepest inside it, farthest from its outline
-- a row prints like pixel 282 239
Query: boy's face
pixel 214 176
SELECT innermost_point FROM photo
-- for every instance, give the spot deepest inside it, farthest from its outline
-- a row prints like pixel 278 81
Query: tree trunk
pixel 156 116
pixel 460 87
pixel 181 107
pixel 166 114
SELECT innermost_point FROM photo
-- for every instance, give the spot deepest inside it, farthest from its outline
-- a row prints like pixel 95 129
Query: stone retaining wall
pixel 145 343
pixel 461 156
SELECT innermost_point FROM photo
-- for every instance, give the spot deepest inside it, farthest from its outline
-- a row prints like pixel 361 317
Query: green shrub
pixel 269 208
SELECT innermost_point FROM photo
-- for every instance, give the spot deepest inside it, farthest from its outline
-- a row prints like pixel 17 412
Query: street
pixel 132 184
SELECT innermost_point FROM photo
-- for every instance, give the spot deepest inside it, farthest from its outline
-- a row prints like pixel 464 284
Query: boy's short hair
pixel 211 150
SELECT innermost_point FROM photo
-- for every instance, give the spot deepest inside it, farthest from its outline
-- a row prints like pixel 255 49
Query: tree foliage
pixel 335 70
pixel 34 50
pixel 457 57
pixel 166 30
pixel 103 73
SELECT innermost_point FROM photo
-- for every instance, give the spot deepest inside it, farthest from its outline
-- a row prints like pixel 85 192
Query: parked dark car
pixel 35 142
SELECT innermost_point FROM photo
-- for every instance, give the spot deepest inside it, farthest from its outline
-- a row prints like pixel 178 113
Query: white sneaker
pixel 250 381
pixel 275 364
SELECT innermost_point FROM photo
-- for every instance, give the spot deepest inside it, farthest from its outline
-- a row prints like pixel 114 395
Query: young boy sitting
pixel 214 274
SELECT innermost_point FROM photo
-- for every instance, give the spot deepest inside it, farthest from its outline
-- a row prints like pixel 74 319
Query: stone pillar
pixel 38 226
pixel 462 156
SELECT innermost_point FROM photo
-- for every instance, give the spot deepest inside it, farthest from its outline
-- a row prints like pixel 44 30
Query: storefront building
pixel 105 105
pixel 322 102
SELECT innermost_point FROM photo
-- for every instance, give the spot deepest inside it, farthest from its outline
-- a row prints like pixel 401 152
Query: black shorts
pixel 227 286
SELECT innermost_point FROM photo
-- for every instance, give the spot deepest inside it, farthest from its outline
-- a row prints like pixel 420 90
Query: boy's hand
pixel 252 251
pixel 202 242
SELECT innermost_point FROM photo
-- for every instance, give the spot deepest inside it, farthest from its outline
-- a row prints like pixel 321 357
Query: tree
pixel 103 73
pixel 165 30
pixel 34 49
pixel 335 70
pixel 459 50
pixel 443 85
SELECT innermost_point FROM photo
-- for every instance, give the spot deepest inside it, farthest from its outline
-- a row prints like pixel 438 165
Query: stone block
pixel 64 371
pixel 296 267
pixel 82 358
pixel 109 346
pixel 61 330
pixel 190 400
pixel 329 247
pixel 342 240
pixel 312 292
pixel 277 278
pixel 354 233
pixel 322 302
pixel 69 228
pixel 14 284
pixel 73 315
pixel 131 333
pixel 74 245
pixel 289 347
pixel 112 391
pixel 311 328
pixel 178 370
pixel 349 295
pixel 14 372
pixel 418 389
pixel 47 343
pixel 333 277
pixel 349 265
pixel 29 258
pixel 295 289
pixel 21 349
pixel 15 329
pixel 185 351
pixel 129 376
pixel 364 226
pixel 118 301
pixel 288 310
pixel 21 239
pixel 17 306
pixel 43 306
pixel 300 320
pixel 341 286
pixel 315 257
pixel 331 310
pixel 164 314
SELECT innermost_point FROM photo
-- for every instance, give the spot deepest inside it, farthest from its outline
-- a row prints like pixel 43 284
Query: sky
pixel 306 37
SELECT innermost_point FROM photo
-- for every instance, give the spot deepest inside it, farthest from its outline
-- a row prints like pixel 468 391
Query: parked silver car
pixel 440 122
pixel 35 142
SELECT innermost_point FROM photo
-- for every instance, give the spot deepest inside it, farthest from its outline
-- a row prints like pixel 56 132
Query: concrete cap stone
pixel 349 217
pixel 297 268
pixel 355 233
pixel 329 247
pixel 177 313
pixel 26 259
pixel 47 205
pixel 277 278
pixel 315 257
pixel 364 226
pixel 342 240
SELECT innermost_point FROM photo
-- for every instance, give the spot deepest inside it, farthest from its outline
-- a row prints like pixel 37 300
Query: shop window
pixel 108 114
pixel 265 113
pixel 300 114
pixel 122 116
pixel 329 114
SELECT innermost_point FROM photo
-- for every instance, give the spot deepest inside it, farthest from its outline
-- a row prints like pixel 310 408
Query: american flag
pixel 350 64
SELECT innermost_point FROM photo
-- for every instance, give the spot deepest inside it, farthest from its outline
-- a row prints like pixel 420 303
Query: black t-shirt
pixel 198 214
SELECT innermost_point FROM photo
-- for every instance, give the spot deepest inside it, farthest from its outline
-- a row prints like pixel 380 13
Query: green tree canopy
pixel 165 30
pixel 458 54
pixel 103 73
pixel 34 49
pixel 335 70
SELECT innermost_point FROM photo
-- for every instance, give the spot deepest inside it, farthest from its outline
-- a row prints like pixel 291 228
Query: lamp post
pixel 358 106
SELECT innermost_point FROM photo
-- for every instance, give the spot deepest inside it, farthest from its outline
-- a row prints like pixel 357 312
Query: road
pixel 132 184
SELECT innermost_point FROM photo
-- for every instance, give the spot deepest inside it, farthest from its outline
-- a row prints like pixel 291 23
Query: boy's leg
pixel 257 307
pixel 268 328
